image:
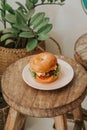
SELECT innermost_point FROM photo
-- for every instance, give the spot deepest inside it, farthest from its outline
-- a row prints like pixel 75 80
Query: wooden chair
pixel 80 55
pixel 53 46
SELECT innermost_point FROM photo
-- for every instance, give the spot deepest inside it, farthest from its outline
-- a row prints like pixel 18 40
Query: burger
pixel 44 67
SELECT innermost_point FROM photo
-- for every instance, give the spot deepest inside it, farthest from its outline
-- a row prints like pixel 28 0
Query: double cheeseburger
pixel 44 67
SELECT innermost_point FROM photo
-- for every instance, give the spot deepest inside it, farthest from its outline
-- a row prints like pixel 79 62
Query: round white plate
pixel 64 78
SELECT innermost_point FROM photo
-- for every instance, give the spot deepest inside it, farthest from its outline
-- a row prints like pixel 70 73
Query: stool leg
pixel 78 118
pixel 84 112
pixel 15 120
pixel 60 122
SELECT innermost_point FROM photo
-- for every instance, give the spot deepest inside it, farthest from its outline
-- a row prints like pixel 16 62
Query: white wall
pixel 69 22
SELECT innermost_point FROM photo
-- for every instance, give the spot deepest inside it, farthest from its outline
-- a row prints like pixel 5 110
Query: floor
pixel 47 123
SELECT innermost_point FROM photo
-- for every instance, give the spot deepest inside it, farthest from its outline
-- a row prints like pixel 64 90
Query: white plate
pixel 65 77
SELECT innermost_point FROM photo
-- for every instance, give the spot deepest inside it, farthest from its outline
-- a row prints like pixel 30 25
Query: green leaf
pixel 29 4
pixel 9 41
pixel 58 71
pixel 21 15
pixel 43 37
pixel 36 18
pixel 6 36
pixel 51 1
pixel 9 9
pixel 43 23
pixel 26 34
pixel 1 10
pixel 22 6
pixel 31 45
pixel 19 18
pixel 10 30
pixel 38 22
pixel 43 1
pixel 62 0
pixel 33 73
pixel 2 4
pixel 30 13
pixel 22 27
pixel 45 29
pixel 10 18
pixel 34 1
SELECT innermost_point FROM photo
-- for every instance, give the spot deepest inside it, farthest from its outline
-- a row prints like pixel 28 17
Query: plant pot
pixel 8 55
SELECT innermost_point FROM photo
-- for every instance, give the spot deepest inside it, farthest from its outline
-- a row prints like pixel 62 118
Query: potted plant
pixel 27 32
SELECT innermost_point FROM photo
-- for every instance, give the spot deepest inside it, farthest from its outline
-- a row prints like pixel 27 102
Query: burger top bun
pixel 42 62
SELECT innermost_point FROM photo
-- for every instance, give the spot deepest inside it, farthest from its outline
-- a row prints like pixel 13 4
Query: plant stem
pixel 4 1
pixel 49 4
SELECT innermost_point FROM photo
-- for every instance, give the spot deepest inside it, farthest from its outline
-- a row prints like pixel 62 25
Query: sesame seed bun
pixel 42 62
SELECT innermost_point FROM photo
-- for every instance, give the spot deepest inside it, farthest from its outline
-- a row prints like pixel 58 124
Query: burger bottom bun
pixel 46 80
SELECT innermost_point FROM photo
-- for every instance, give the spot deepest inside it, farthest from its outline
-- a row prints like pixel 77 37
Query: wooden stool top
pixel 81 50
pixel 39 103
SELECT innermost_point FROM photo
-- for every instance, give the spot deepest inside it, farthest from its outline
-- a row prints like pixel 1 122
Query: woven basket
pixel 8 55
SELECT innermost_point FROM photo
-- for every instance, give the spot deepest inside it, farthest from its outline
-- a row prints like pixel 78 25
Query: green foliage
pixel 31 45
pixel 3 12
pixel 33 74
pixel 27 28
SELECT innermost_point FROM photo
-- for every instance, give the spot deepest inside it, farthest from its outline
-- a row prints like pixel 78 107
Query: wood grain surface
pixel 39 103
pixel 81 50
pixel 15 120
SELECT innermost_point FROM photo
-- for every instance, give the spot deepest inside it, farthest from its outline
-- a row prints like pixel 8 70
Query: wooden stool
pixel 27 101
pixel 80 54
pixel 80 50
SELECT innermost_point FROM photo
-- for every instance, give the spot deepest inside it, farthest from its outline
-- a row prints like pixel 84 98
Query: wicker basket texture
pixel 8 55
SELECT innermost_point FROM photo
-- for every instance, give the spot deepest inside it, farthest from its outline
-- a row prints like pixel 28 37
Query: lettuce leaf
pixel 33 74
